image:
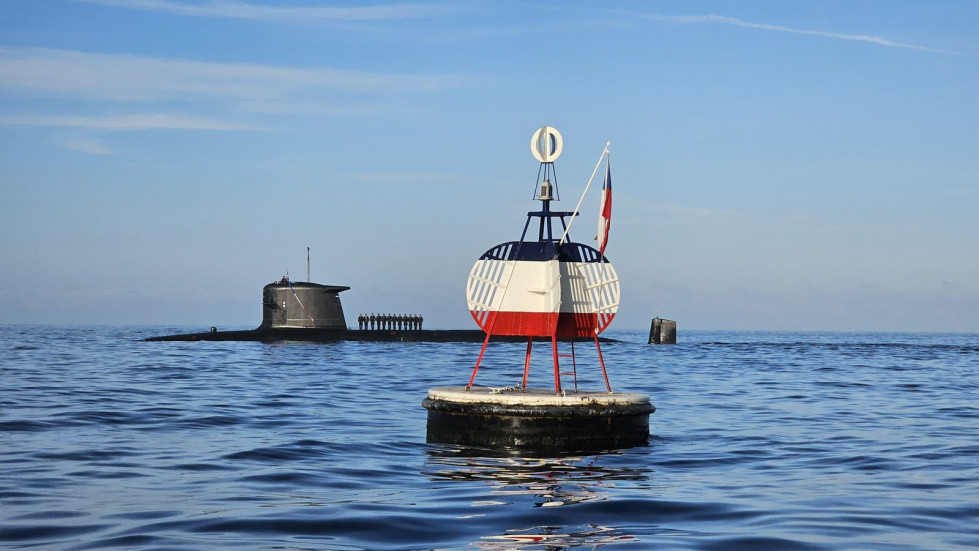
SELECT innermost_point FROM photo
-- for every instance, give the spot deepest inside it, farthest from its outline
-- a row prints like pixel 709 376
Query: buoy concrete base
pixel 536 419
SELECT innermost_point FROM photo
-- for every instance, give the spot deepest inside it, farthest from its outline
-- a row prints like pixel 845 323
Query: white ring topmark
pixel 546 144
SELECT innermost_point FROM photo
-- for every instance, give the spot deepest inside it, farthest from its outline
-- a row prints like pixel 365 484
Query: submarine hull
pixel 335 335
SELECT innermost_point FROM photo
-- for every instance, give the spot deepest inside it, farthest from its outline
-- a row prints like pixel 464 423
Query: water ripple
pixel 759 441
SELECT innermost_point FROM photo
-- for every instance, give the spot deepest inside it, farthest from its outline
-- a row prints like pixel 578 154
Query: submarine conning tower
pixel 300 305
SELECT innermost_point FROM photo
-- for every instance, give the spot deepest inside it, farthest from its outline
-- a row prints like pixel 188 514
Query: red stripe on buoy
pixel 563 324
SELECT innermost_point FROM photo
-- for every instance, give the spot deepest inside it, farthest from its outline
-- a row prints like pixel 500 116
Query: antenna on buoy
pixel 308 280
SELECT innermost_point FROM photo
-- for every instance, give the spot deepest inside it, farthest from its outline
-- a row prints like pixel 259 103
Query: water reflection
pixel 555 481
pixel 552 538
pixel 549 482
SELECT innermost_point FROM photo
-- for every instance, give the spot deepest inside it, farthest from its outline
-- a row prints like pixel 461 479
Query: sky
pixel 776 165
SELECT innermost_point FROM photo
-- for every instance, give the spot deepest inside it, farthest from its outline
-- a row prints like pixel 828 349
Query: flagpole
pixel 593 173
pixel 602 238
pixel 605 278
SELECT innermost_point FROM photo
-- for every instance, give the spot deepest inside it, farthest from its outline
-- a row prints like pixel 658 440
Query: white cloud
pixel 693 211
pixel 88 146
pixel 408 178
pixel 680 211
pixel 120 77
pixel 126 122
pixel 243 10
pixel 313 108
pixel 724 20
pixel 176 94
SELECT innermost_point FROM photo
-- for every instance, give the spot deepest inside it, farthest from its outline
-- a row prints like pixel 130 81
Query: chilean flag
pixel 605 211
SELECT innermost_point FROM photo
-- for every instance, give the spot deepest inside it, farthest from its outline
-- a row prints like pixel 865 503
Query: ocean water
pixel 760 441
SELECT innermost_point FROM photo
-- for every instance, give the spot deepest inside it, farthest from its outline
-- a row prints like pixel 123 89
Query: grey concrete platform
pixel 537 419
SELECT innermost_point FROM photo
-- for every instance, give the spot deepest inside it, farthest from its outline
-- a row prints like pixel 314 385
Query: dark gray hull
pixel 334 335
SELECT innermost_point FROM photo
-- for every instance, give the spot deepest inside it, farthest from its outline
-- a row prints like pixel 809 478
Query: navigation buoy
pixel 547 287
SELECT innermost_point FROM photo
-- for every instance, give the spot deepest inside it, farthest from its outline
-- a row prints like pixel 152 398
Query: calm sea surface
pixel 760 441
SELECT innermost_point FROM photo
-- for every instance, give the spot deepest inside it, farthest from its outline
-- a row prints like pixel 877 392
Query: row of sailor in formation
pixel 390 321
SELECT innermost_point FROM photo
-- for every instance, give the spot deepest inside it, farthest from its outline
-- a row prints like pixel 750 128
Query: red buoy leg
pixel 478 360
pixel 557 369
pixel 526 364
pixel 601 361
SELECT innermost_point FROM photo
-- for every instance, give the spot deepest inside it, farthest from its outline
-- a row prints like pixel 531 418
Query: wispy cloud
pixel 645 212
pixel 91 147
pixel 353 108
pixel 409 179
pixel 692 211
pixel 724 20
pixel 287 14
pixel 120 77
pixel 126 122
pixel 120 92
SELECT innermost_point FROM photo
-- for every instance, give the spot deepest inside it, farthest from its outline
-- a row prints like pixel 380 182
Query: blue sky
pixel 777 165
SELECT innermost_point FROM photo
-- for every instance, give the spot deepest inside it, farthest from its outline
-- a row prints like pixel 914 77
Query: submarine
pixel 312 312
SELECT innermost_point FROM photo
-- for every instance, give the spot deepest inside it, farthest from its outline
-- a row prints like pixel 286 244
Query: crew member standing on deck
pixel 372 319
